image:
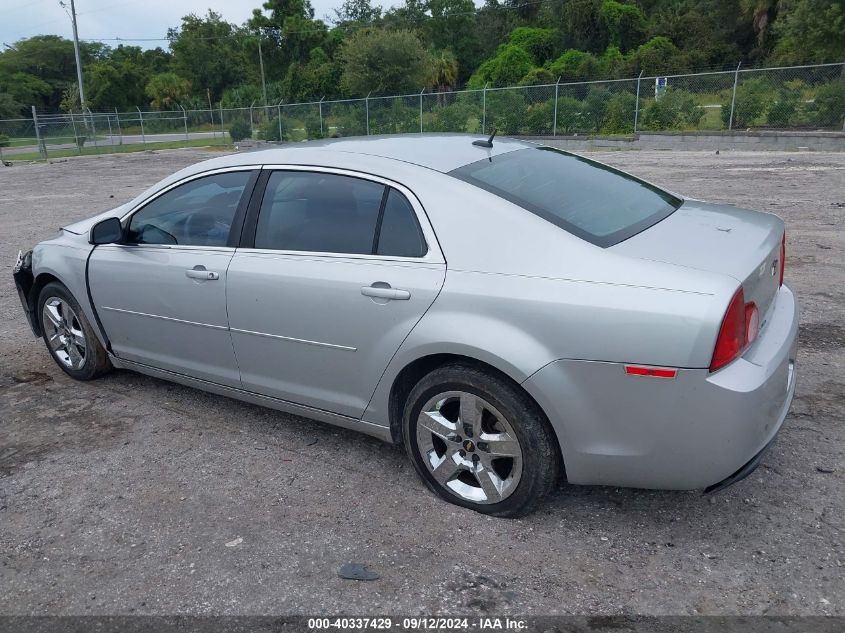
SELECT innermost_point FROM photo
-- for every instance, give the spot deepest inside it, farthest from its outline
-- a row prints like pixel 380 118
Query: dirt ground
pixel 131 495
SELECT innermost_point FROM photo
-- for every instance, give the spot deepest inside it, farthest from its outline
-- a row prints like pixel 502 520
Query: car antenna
pixel 488 142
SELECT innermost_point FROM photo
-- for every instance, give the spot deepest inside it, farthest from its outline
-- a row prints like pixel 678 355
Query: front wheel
pixel 69 336
pixel 478 441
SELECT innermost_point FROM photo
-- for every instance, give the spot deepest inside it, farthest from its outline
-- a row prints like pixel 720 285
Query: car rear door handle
pixel 199 272
pixel 385 292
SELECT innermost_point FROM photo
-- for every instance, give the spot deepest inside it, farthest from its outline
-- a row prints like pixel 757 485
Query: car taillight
pixel 740 327
pixel 752 323
pixel 782 256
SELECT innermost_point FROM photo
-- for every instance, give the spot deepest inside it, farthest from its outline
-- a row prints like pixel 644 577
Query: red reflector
pixel 653 372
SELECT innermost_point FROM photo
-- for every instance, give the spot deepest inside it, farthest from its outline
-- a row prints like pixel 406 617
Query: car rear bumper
pixel 697 430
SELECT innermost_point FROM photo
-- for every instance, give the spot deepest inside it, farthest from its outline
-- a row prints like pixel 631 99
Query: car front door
pixel 334 272
pixel 161 293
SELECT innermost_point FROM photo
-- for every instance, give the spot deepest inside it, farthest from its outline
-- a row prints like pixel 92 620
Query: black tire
pixel 96 360
pixel 540 454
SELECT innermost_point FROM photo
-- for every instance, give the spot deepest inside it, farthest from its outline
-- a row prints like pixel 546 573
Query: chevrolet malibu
pixel 510 313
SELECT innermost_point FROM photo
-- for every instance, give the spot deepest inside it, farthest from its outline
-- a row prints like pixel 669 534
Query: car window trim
pixel 377 233
pixel 433 253
pixel 240 211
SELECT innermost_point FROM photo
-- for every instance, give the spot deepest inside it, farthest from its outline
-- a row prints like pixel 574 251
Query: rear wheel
pixel 69 337
pixel 480 442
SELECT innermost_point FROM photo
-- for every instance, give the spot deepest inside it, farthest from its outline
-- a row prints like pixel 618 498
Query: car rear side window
pixel 197 213
pixel 399 234
pixel 597 203
pixel 333 213
pixel 310 211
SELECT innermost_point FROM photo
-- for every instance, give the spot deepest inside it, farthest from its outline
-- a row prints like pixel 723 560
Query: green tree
pixel 382 61
pixel 357 12
pixel 625 24
pixel 657 55
pixel 9 108
pixel 539 43
pixel 207 53
pixel 167 90
pixel 810 31
pixel 575 66
pixel 510 64
pixel 442 71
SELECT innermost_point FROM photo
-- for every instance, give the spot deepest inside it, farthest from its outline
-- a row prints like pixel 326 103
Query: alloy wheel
pixel 64 333
pixel 469 447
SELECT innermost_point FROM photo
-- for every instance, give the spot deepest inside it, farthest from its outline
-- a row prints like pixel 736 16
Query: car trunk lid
pixel 716 238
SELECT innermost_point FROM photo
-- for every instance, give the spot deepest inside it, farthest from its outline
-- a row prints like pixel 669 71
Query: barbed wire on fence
pixel 786 97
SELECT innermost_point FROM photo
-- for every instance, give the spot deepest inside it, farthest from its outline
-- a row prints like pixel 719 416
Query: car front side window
pixel 197 213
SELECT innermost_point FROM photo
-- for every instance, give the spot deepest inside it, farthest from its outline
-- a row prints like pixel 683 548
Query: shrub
pixel 751 98
pixel 782 109
pixel 595 108
pixel 620 114
pixel 506 111
pixel 460 116
pixel 569 115
pixel 269 131
pixel 674 110
pixel 829 104
pixel 240 129
pixel 540 118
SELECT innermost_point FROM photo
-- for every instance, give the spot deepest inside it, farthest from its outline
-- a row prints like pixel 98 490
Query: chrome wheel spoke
pixel 78 337
pixel 499 445
pixel 491 484
pixel 54 316
pixel 470 416
pixel 446 469
pixel 55 341
pixel 434 422
pixel 74 356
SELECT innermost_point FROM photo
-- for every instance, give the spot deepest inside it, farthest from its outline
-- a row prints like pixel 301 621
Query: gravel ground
pixel 131 495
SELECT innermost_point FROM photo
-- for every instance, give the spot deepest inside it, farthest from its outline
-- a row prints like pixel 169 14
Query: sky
pixel 125 19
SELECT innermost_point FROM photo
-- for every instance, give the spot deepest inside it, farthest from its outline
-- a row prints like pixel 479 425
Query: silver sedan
pixel 510 313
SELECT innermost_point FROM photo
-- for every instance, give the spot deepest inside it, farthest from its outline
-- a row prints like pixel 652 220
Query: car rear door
pixel 334 271
pixel 161 293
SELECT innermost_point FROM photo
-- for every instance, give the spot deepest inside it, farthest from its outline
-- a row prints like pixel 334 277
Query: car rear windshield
pixel 593 201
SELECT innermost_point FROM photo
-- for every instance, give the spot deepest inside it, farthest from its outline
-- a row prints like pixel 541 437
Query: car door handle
pixel 385 293
pixel 202 273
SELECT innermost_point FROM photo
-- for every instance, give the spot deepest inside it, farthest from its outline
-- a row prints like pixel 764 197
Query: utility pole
pixel 261 63
pixel 76 53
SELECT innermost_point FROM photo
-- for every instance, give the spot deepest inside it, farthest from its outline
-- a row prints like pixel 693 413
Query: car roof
pixel 440 152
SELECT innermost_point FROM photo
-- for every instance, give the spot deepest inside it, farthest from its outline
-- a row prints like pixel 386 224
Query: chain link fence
pixel 785 98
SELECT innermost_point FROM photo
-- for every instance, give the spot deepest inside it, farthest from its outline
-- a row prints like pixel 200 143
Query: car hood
pixel 83 226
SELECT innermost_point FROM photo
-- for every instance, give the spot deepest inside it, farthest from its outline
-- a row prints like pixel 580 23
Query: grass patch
pixel 121 149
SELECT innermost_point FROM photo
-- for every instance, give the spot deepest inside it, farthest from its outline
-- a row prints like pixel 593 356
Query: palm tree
pixel 443 72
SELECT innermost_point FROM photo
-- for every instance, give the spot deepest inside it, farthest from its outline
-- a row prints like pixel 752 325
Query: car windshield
pixel 593 201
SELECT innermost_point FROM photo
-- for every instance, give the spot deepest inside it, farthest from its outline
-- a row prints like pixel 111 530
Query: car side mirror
pixel 106 231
